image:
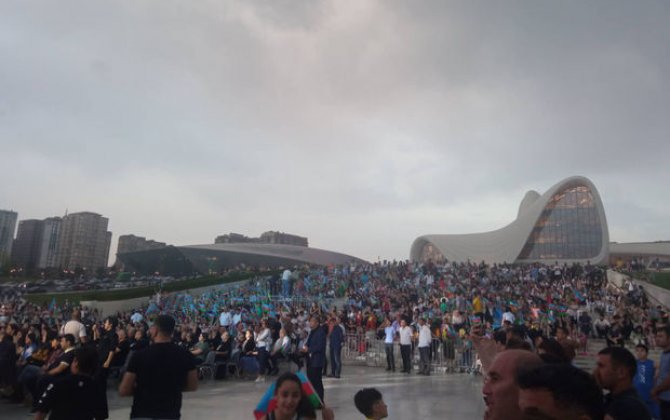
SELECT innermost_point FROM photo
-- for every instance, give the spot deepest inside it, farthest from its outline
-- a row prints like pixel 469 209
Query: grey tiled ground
pixel 409 397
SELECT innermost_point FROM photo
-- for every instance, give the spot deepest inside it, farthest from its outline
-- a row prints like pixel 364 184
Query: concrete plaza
pixel 409 397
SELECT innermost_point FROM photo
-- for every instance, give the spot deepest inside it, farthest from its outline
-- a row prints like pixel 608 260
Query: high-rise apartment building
pixel 273 237
pixel 269 237
pixel 26 248
pixel 7 228
pixel 49 242
pixel 36 242
pixel 132 243
pixel 83 241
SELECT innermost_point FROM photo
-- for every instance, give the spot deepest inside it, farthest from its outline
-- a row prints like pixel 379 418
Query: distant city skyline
pixel 360 125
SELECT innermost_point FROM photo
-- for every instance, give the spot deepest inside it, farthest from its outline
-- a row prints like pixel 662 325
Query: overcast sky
pixel 359 124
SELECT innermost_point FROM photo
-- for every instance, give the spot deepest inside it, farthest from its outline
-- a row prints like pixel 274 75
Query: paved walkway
pixel 409 397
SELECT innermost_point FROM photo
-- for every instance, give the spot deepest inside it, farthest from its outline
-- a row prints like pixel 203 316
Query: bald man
pixel 501 390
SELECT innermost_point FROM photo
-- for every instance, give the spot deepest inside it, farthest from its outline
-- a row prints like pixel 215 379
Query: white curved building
pixel 565 224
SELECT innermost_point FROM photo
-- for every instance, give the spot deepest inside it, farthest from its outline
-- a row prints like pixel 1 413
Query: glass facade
pixel 568 228
pixel 429 252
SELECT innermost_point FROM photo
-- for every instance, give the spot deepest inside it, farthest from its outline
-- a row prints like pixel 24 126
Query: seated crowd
pixel 547 311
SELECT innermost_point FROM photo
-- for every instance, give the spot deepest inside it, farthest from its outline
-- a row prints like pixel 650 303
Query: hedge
pixel 123 294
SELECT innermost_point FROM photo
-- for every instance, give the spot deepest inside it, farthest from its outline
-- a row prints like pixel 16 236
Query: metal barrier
pixel 446 355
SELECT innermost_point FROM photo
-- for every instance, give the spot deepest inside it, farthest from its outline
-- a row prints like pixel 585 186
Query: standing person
pixel 75 327
pixel 286 282
pixel 157 375
pixel 76 396
pixel 263 347
pixel 661 392
pixel 106 348
pixel 501 388
pixel 336 342
pixel 389 335
pixel 315 348
pixel 559 391
pixel 614 372
pixel 644 378
pixel 406 346
pixel 424 347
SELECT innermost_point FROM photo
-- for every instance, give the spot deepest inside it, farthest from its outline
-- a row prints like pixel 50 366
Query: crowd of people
pixel 307 316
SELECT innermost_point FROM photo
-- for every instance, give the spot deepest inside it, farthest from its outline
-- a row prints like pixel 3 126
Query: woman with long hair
pixel 292 403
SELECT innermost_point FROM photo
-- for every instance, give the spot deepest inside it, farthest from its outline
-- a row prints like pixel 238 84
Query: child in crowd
pixel 370 403
pixel 645 377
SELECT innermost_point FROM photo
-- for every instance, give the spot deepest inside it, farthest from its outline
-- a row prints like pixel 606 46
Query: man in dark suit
pixel 336 341
pixel 315 347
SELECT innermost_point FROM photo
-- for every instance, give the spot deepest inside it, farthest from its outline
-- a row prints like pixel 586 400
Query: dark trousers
pixel 424 361
pixel 336 360
pixel 665 409
pixel 405 352
pixel 315 376
pixel 390 360
pixel 263 357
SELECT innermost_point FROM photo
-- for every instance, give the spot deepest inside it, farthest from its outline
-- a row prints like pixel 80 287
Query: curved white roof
pixel 505 244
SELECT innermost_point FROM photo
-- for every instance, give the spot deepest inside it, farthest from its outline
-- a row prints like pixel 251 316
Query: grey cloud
pixel 337 120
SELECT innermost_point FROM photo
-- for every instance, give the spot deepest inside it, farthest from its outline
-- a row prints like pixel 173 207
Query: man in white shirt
pixel 424 347
pixel 75 327
pixel 406 346
pixel 508 316
pixel 226 318
pixel 136 318
pixel 286 282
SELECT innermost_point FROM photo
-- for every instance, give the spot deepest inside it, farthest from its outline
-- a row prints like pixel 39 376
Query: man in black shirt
pixel 76 396
pixel 615 370
pixel 157 375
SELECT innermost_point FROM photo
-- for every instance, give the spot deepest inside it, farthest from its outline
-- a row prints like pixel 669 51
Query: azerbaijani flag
pixel 269 401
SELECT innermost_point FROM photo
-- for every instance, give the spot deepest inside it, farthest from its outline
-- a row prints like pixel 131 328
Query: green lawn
pixel 122 294
pixel 661 279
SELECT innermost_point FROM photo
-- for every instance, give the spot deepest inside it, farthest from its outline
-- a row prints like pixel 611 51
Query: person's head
pixel 422 321
pixel 110 323
pixel 559 392
pixel 121 333
pixel 500 389
pixel 85 361
pixel 370 403
pixel 76 315
pixel 641 352
pixel 249 334
pixel 164 325
pixel 282 332
pixel 553 348
pixel 226 335
pixel 403 322
pixel 561 333
pixel 54 342
pixel 500 338
pixel 615 369
pixel 67 341
pixel 663 337
pixel 290 398
pixel 313 322
pixel 30 339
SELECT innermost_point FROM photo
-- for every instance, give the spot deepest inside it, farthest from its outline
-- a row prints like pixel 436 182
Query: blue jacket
pixel 336 337
pixel 316 346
